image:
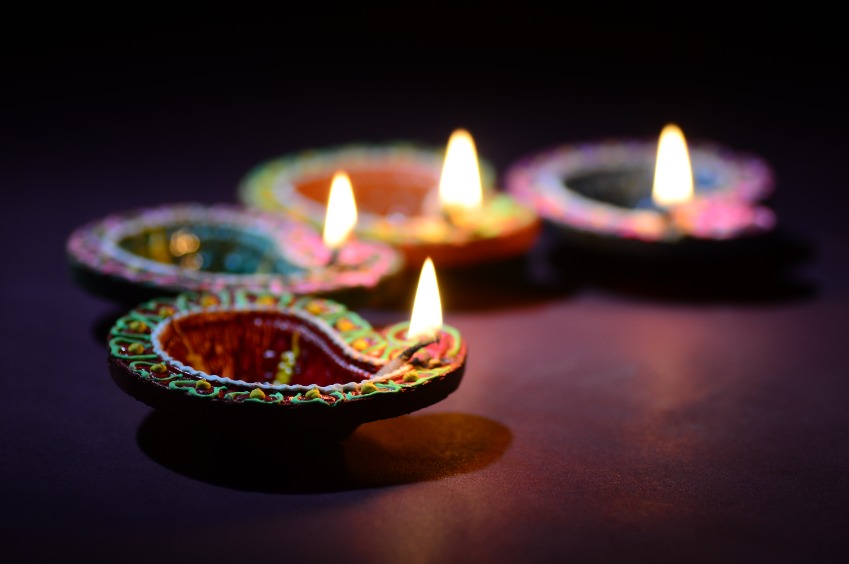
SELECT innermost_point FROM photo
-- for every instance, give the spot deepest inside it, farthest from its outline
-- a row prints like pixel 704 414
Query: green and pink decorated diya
pixel 277 362
pixel 160 251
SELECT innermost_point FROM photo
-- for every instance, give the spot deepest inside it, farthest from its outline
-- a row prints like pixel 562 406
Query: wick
pixel 673 230
pixel 334 257
pixel 405 356
pixel 448 218
pixel 665 212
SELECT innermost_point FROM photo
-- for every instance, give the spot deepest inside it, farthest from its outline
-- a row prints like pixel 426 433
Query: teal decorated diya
pixel 165 250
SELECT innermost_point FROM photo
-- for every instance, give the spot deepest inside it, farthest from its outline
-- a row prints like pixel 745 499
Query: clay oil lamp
pixel 169 249
pixel 649 197
pixel 416 200
pixel 299 368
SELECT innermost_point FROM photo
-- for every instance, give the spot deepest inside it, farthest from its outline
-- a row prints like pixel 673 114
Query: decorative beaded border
pixel 134 340
pixel 271 186
pixel 728 186
pixel 96 246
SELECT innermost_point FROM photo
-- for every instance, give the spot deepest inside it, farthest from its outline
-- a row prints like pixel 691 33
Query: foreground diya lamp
pixel 410 198
pixel 169 249
pixel 278 363
pixel 662 194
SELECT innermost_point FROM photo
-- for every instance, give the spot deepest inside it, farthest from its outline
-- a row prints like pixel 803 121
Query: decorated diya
pixel 276 362
pixel 414 199
pixel 165 250
pixel 657 193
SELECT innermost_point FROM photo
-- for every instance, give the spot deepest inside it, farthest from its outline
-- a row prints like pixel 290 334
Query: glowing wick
pixel 460 182
pixel 426 320
pixel 341 212
pixel 673 175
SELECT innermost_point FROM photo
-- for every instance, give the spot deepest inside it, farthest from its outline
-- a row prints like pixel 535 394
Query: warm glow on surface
pixel 460 182
pixel 673 175
pixel 341 211
pixel 426 320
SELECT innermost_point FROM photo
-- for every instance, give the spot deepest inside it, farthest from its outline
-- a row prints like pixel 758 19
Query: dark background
pixel 596 422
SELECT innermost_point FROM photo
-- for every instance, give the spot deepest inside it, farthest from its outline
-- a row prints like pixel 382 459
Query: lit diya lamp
pixel 410 198
pixel 275 362
pixel 141 254
pixel 656 193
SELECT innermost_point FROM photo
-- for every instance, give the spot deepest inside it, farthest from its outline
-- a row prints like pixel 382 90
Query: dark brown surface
pixel 605 417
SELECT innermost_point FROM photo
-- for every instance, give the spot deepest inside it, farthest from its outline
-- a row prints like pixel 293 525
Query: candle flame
pixel 426 320
pixel 341 211
pixel 460 182
pixel 673 175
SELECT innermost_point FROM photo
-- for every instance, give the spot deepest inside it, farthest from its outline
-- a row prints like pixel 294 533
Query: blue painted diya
pixel 165 250
pixel 599 191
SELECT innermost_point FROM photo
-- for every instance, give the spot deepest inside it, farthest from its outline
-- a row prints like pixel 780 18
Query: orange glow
pixel 183 242
pixel 673 175
pixel 426 320
pixel 341 215
pixel 460 182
